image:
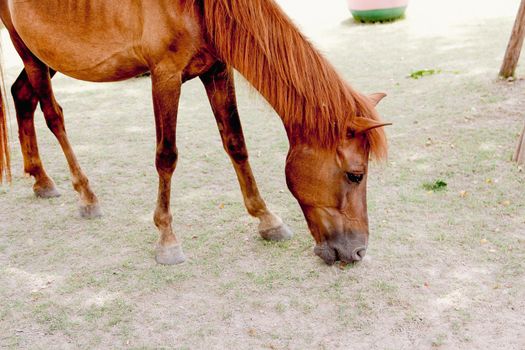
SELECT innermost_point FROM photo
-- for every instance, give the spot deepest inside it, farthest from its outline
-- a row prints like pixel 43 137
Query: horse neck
pixel 260 41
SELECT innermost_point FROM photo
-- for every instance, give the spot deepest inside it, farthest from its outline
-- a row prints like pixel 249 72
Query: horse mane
pixel 259 40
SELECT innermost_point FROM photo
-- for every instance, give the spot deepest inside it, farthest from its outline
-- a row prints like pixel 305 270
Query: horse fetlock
pixel 162 220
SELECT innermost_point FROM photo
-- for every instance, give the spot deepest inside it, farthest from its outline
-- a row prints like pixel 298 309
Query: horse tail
pixel 5 158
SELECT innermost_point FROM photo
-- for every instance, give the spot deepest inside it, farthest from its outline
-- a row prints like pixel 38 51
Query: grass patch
pixel 418 74
pixel 53 316
pixel 114 313
pixel 436 186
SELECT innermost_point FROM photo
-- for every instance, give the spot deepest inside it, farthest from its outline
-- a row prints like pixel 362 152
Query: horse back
pixel 102 40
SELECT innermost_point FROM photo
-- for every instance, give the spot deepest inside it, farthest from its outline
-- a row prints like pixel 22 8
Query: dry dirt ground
pixel 446 268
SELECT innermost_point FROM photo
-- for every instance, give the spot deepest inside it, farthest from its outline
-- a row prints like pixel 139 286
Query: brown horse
pixel 331 128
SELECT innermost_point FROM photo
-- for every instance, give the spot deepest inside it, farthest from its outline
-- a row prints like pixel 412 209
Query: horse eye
pixel 355 178
pixel 350 134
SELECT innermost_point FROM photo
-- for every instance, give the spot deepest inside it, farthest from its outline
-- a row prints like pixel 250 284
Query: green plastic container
pixel 381 15
pixel 377 10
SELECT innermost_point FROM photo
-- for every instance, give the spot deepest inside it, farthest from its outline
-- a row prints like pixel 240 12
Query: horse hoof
pixel 46 192
pixel 90 211
pixel 169 255
pixel 279 233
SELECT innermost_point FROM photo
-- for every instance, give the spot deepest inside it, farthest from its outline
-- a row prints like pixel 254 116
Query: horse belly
pixel 80 43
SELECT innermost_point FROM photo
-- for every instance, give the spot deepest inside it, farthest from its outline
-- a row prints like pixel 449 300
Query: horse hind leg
pixel 39 77
pixel 26 102
pixel 221 93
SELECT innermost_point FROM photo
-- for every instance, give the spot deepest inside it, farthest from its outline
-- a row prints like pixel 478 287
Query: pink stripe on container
pixel 363 5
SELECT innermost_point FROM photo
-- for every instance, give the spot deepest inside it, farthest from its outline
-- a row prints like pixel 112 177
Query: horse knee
pixel 162 218
pixel 166 157
pixel 237 150
pixel 55 122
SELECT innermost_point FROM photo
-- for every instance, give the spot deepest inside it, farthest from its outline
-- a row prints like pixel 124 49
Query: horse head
pixel 330 185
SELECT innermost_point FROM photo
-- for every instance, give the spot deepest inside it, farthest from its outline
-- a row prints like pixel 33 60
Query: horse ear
pixel 366 124
pixel 376 98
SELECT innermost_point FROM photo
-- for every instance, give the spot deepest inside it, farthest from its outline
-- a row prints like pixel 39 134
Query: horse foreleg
pixel 26 101
pixel 40 79
pixel 166 83
pixel 221 93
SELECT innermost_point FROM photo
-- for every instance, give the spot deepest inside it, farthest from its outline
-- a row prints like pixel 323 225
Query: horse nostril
pixel 359 254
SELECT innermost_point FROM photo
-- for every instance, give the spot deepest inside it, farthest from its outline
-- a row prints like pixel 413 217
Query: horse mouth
pixel 330 255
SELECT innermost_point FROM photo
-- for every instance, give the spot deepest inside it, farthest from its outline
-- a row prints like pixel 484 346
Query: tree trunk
pixel 515 43
pixel 519 155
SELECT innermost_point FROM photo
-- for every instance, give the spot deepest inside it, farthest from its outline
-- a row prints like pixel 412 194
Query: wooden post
pixel 512 54
pixel 519 155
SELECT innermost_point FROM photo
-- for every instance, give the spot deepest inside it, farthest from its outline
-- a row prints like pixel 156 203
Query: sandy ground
pixel 446 269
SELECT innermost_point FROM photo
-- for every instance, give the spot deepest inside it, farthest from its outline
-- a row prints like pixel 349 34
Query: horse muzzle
pixel 343 249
